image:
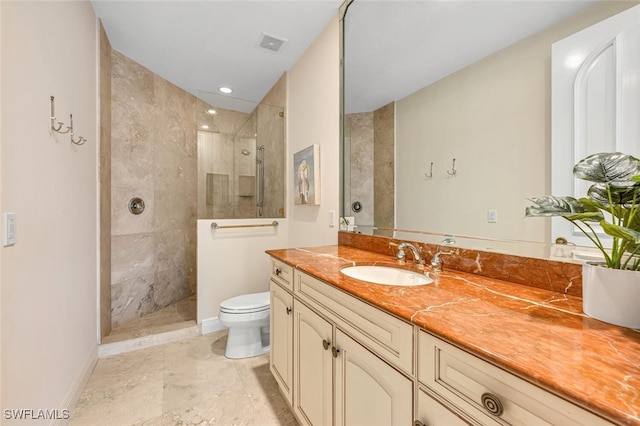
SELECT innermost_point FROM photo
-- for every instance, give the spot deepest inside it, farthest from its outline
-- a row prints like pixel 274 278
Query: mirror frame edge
pixel 344 7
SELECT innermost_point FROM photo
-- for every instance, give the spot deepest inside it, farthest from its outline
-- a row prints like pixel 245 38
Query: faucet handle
pixel 401 257
pixel 436 261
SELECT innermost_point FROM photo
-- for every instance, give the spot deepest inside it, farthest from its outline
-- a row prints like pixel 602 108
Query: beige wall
pixel 1 210
pixel 154 157
pixel 49 278
pixel 313 117
pixel 494 118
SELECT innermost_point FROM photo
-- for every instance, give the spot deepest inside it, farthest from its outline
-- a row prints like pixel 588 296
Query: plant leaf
pixel 621 232
pixel 614 168
pixel 599 193
pixel 567 207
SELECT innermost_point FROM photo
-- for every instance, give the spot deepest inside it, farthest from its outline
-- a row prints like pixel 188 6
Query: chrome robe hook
pixel 453 170
pixel 58 128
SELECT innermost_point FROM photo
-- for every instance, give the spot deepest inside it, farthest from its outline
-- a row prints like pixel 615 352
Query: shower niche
pixel 241 157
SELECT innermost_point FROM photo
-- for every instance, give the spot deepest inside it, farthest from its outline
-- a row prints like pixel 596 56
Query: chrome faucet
pixel 416 251
pixel 436 261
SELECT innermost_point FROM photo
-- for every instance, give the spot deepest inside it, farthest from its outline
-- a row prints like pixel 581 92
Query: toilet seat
pixel 247 318
pixel 247 303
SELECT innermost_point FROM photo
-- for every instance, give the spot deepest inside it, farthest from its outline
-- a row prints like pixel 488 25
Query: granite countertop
pixel 539 335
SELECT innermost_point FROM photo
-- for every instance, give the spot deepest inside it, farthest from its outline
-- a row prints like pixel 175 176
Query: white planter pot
pixel 611 295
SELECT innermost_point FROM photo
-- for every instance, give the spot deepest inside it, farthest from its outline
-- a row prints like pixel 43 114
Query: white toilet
pixel 247 318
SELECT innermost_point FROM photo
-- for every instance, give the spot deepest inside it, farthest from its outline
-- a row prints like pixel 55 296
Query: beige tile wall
pixel 105 184
pixel 153 157
pixel 370 139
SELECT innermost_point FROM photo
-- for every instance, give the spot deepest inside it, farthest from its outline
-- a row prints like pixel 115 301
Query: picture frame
pixel 306 176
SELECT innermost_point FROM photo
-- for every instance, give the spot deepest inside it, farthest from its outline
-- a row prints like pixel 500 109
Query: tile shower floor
pixel 188 382
pixel 179 315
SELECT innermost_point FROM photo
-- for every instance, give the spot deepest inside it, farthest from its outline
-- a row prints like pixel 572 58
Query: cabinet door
pixel 312 367
pixel 281 331
pixel 368 390
pixel 433 413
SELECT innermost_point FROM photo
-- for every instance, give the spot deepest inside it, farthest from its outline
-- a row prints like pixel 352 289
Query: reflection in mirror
pixel 241 157
pixel 463 82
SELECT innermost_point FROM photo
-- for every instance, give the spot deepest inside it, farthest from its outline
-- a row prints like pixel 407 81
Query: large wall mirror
pixel 447 114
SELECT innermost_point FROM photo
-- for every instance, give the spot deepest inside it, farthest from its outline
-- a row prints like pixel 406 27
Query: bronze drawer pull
pixel 492 404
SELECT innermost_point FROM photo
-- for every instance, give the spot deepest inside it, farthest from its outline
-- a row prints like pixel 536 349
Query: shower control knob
pixel 136 205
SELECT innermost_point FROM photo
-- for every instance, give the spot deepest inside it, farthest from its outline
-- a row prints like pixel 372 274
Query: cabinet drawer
pixel 387 336
pixel 282 274
pixel 466 381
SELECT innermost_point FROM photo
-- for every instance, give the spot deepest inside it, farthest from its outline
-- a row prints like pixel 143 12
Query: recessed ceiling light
pixel 212 111
pixel 225 90
pixel 204 126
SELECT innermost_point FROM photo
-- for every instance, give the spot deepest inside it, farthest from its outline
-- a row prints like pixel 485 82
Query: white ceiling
pixel 394 46
pixel 202 45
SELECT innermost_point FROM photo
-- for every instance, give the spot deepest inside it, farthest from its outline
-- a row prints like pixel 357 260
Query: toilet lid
pixel 246 303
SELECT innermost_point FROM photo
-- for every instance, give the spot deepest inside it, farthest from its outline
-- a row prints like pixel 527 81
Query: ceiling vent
pixel 271 43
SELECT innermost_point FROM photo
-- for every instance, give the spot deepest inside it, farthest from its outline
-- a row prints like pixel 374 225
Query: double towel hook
pixel 58 128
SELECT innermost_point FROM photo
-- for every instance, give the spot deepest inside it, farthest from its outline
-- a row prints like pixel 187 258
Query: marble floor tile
pixel 188 382
pixel 123 390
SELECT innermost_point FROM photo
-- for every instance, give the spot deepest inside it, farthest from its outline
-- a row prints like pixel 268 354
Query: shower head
pixel 250 154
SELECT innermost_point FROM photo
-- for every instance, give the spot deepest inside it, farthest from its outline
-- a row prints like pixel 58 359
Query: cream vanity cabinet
pixel 367 390
pixel 281 327
pixel 340 377
pixel 352 363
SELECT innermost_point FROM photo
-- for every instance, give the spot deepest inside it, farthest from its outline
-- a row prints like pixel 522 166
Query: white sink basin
pixel 386 275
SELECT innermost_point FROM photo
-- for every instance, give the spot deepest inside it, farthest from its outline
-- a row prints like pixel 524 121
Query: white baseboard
pixel 77 386
pixel 211 325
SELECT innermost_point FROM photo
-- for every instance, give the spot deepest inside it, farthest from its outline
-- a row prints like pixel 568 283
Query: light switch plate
pixel 492 216
pixel 9 231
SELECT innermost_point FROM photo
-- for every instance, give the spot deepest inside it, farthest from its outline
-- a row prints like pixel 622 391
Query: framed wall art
pixel 306 176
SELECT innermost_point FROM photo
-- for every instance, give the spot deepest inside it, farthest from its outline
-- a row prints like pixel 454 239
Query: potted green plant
pixel 610 289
